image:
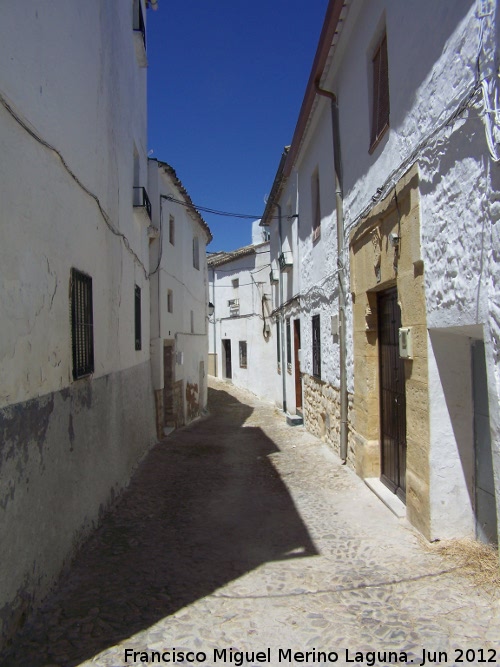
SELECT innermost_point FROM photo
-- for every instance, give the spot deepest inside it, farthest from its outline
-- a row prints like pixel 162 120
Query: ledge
pixel 389 499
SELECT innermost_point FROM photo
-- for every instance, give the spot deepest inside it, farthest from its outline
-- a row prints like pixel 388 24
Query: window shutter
pixel 381 109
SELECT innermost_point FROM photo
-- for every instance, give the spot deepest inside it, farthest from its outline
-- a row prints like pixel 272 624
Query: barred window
pixel 243 354
pixel 316 346
pixel 82 324
pixel 137 309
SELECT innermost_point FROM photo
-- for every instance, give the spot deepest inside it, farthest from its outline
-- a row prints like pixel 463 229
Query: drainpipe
pixel 339 205
pixel 282 318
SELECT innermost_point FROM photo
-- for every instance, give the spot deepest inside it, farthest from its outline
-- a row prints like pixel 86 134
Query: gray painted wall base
pixel 63 459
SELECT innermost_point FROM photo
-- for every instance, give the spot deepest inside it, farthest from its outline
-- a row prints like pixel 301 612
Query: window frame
pixel 316 346
pixel 82 324
pixel 380 93
pixel 243 354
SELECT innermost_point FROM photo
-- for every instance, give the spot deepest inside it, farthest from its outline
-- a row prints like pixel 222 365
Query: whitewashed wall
pixel 252 271
pixel 433 53
pixel 71 77
pixel 174 271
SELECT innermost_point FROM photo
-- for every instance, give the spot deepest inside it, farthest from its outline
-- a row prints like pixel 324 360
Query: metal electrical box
pixel 406 343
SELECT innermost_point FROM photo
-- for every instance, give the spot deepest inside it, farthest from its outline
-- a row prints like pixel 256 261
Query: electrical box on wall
pixel 335 325
pixel 405 343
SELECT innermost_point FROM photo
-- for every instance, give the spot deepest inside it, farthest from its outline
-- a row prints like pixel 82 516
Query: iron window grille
pixel 82 324
pixel 381 106
pixel 141 199
pixel 243 354
pixel 137 310
pixel 316 346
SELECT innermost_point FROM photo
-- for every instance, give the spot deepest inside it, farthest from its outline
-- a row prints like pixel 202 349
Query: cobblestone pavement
pixel 240 533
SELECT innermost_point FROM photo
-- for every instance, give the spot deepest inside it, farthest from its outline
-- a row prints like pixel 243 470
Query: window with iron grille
pixel 137 311
pixel 243 354
pixel 381 108
pixel 316 346
pixel 82 324
pixel 316 205
pixel 288 343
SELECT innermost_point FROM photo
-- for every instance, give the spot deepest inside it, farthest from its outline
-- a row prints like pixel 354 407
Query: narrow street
pixel 239 532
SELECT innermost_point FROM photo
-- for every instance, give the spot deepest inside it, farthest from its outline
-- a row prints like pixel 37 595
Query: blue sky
pixel 225 83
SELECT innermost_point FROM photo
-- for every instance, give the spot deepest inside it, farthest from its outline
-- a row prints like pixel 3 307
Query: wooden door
pixel 227 356
pixel 298 374
pixel 392 395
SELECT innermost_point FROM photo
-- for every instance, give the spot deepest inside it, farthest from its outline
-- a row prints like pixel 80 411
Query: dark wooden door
pixel 392 396
pixel 298 374
pixel 227 352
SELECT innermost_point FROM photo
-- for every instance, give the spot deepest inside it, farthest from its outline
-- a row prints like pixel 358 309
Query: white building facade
pixel 387 197
pixel 179 301
pixel 241 341
pixel 76 404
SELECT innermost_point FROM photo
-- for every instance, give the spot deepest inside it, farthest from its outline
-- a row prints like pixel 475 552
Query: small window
pixel 243 354
pixel 316 346
pixel 137 310
pixel 170 301
pixel 236 283
pixel 196 253
pixel 288 343
pixel 316 206
pixel 381 108
pixel 82 324
pixel 171 230
pixel 192 322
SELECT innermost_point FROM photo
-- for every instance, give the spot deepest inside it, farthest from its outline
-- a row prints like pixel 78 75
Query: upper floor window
pixel 171 230
pixel 82 324
pixel 380 108
pixel 316 206
pixel 170 301
pixel 196 253
pixel 316 346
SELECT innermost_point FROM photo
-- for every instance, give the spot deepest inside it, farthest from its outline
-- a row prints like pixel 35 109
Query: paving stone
pixel 241 532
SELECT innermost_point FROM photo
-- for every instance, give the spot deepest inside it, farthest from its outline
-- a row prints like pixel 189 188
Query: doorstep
pixel 294 420
pixel 389 499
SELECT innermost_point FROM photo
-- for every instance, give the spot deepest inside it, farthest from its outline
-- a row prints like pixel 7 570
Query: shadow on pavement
pixel 205 507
